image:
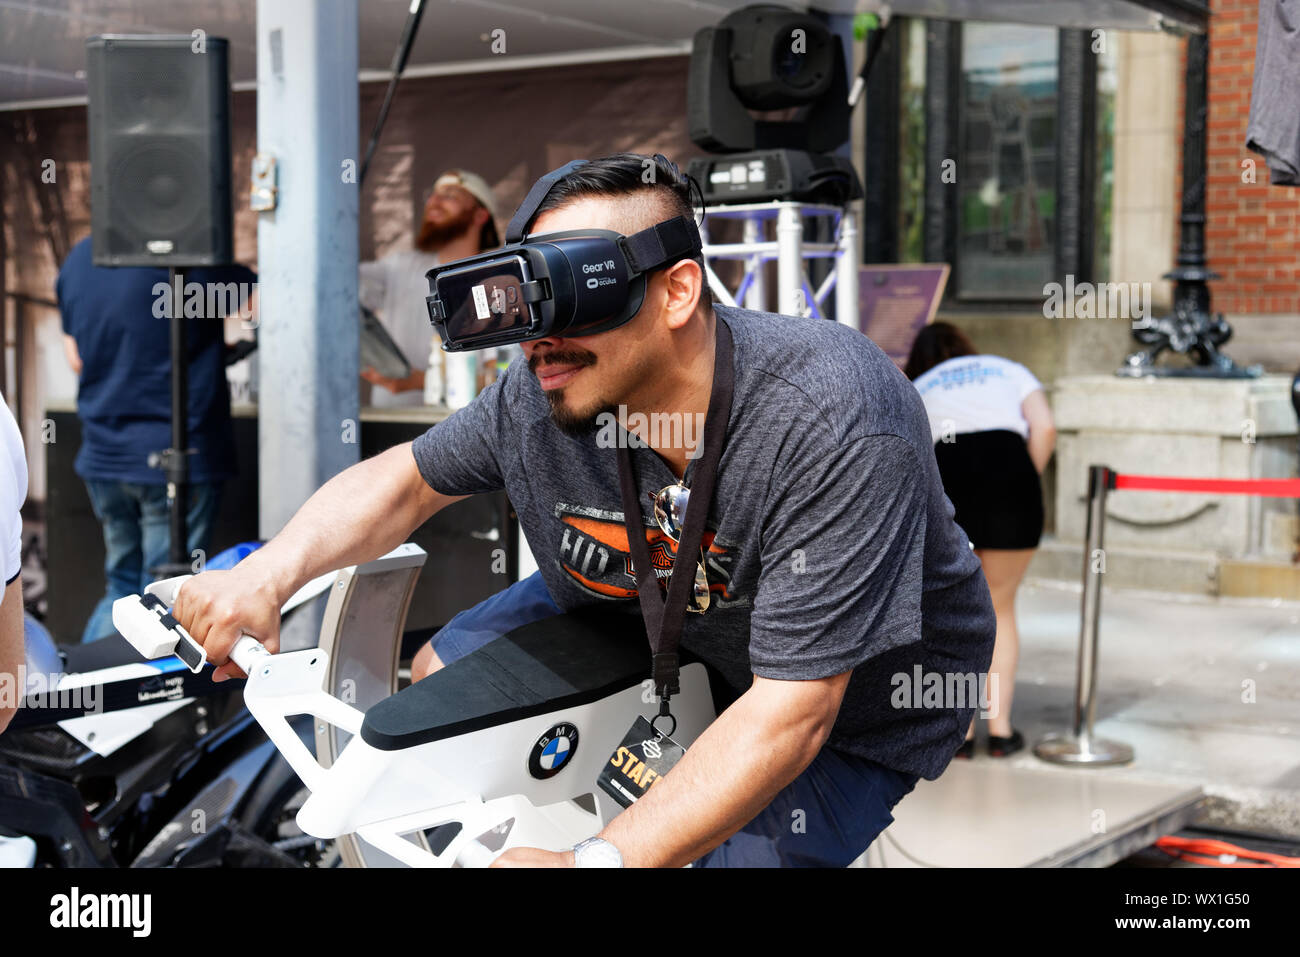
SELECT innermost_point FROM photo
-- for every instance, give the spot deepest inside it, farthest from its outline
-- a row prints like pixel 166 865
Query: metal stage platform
pixel 1022 812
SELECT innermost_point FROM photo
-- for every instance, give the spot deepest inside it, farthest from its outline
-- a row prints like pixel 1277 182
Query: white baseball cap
pixel 473 184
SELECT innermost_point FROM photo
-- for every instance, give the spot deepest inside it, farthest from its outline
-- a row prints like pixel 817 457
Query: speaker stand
pixel 174 461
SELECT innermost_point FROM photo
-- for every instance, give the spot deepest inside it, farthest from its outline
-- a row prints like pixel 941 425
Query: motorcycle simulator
pixel 318 759
pixel 114 762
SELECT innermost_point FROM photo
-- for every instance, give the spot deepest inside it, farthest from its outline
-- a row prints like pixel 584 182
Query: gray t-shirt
pixel 831 545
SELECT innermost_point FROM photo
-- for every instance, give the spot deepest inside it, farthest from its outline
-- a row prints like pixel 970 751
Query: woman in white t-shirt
pixel 993 435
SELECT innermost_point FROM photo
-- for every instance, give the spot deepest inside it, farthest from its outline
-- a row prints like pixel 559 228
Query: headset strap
pixel 661 244
pixel 528 208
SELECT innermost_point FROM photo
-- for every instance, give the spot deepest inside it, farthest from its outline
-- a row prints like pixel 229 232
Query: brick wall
pixel 1252 229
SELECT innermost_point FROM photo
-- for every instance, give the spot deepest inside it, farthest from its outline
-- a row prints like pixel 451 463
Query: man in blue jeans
pixel 117 340
pixel 833 564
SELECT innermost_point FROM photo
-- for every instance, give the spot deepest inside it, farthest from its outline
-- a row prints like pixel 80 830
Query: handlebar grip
pixel 248 651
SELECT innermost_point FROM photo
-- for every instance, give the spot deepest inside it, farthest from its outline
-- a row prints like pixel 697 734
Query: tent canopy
pixel 43 58
pixel 1179 16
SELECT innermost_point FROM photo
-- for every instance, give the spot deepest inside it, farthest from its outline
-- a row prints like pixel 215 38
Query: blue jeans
pixel 826 817
pixel 137 538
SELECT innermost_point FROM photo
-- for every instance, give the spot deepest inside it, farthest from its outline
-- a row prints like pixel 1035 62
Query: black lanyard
pixel 664 617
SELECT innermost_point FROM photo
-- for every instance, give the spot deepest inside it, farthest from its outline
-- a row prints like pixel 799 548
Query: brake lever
pixel 145 622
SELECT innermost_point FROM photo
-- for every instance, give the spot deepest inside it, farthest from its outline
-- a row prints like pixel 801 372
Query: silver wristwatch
pixel 596 852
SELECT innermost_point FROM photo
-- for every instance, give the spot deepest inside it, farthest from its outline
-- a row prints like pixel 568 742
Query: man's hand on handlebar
pixel 217 607
pixel 360 514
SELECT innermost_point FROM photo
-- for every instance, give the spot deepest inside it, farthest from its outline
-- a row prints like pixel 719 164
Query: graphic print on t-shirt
pixel 594 553
pixel 971 373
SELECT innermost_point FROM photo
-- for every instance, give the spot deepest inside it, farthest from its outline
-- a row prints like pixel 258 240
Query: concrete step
pixel 1246 578
pixel 1198 573
pixel 1125 567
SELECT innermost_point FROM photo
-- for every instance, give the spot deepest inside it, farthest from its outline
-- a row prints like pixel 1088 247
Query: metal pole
pixel 174 460
pixel 413 16
pixel 1295 404
pixel 756 297
pixel 1199 330
pixel 1085 703
pixel 307 120
pixel 846 265
pixel 789 260
pixel 1191 274
pixel 177 465
pixel 1081 747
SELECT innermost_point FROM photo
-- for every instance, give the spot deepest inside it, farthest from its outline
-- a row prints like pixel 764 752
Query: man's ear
pixel 683 287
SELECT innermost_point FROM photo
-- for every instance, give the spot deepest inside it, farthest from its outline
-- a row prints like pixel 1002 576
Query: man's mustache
pixel 571 357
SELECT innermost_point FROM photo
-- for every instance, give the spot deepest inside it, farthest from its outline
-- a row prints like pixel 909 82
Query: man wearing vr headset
pixel 830 562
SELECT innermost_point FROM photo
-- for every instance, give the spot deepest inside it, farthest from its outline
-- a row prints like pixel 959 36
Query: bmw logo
pixel 552 751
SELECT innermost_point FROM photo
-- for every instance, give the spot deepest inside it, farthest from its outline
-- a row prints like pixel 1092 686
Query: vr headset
pixel 577 282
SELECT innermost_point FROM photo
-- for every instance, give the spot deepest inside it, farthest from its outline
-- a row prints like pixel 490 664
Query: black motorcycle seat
pixel 558 662
pixel 96 655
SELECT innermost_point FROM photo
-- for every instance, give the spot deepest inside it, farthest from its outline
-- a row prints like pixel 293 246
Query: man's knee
pixel 424 663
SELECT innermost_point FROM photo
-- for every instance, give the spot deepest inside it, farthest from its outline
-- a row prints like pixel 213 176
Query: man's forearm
pixel 362 513
pixel 731 772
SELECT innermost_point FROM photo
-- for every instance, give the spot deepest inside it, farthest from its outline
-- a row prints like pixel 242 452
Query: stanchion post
pixel 1081 746
pixel 1094 566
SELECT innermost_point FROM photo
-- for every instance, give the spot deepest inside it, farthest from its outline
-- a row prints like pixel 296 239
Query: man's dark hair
pixel 935 343
pixel 629 174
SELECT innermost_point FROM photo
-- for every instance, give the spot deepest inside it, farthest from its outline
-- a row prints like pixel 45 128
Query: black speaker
pixel 159 124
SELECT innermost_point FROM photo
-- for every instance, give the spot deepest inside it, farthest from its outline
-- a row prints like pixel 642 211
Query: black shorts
pixel 994 487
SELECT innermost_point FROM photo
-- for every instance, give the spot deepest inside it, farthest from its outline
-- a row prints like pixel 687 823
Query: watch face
pixel 596 852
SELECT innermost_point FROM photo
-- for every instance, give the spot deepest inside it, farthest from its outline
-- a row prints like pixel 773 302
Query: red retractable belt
pixel 1269 488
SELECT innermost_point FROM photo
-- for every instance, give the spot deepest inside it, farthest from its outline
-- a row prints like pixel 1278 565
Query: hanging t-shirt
pixel 829 544
pixel 1274 126
pixel 13 492
pixel 976 393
